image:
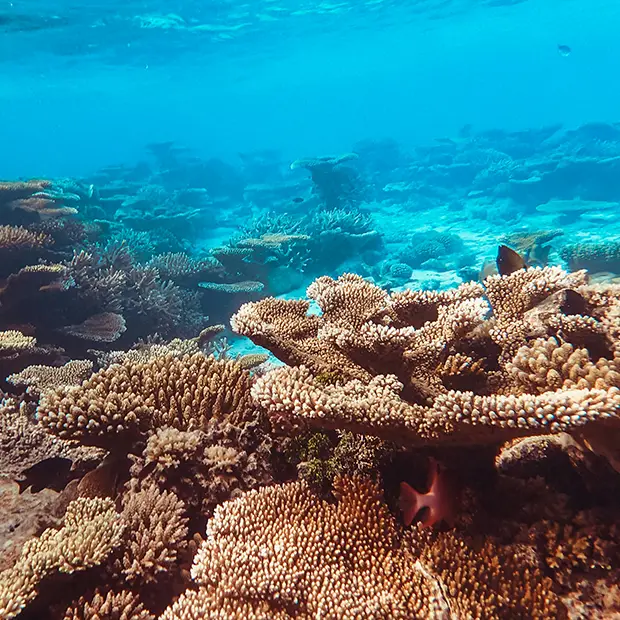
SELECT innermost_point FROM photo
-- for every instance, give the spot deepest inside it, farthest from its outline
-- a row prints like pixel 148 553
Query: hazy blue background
pixel 87 84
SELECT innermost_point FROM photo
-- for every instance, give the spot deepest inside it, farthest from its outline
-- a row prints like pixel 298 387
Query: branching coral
pixel 109 281
pixel 184 270
pixel 155 535
pixel 281 552
pixel 24 444
pixel 363 333
pixel 126 402
pixel 123 605
pixel 91 531
pixel 39 378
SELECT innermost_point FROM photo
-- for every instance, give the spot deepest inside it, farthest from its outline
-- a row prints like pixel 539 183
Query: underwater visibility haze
pixel 309 310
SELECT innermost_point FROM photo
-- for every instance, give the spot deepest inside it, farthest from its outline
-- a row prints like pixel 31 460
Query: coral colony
pixel 387 387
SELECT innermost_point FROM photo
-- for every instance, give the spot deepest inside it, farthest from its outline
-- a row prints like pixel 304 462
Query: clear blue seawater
pixel 86 84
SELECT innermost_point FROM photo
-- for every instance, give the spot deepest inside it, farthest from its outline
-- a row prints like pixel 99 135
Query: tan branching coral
pixel 156 528
pixel 123 605
pixel 12 341
pixel 517 302
pixel 39 378
pixel 90 532
pixel 205 468
pixel 22 516
pixel 281 552
pixel 126 402
pixel 428 368
pixel 294 398
pixel 16 238
pixel 547 364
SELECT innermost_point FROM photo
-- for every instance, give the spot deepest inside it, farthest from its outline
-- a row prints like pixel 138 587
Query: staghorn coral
pixel 305 557
pixel 107 280
pixel 91 531
pixel 124 403
pixel 319 458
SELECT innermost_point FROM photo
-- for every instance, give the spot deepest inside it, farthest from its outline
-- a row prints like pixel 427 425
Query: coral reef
pixel 384 352
pixel 434 439
pixel 353 560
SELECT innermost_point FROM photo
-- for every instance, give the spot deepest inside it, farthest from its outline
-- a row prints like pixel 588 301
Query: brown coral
pixel 91 531
pixel 282 552
pixel 363 334
pixel 126 402
pixel 18 238
pixel 156 529
pixel 102 327
pixel 39 378
pixel 294 398
pixel 123 605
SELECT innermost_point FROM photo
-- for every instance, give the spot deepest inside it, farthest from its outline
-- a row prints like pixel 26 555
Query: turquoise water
pixel 92 82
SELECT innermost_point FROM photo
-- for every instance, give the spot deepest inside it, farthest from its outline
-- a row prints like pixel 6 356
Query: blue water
pixel 86 84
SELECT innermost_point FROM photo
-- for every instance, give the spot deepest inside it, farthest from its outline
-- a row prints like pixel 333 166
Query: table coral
pixel 387 355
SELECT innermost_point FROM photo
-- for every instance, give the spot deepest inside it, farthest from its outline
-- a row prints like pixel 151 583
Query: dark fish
pixel 298 199
pixel 564 50
pixel 573 303
pixel 508 261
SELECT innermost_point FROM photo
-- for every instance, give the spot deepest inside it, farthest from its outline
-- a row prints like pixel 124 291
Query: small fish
pixel 508 261
pixel 298 199
pixel 438 502
pixel 573 303
pixel 564 50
